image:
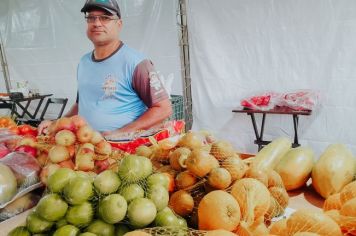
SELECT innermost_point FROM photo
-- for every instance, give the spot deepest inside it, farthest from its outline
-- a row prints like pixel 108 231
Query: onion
pixel 348 192
pixel 278 228
pixel 253 198
pixel 191 140
pixel 274 179
pixel 200 162
pixel 182 203
pixel 222 150
pixel 258 228
pixel 236 167
pixel 332 202
pixel 312 221
pixel 258 174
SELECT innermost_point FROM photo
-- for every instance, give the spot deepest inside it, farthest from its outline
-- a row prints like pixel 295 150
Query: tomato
pixel 78 190
pixel 159 195
pixel 80 215
pixel 36 224
pixel 51 207
pixel 112 209
pixel 166 218
pixel 67 230
pixel 107 182
pixel 27 130
pixel 158 178
pixel 99 227
pixel 59 179
pixel 135 168
pixel 20 231
pixel 141 212
pixel 132 191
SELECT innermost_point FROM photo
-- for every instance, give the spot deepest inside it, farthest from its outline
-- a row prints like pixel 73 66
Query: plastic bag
pixel 26 170
pixel 128 142
pixel 301 100
pixel 8 141
pixel 263 101
pixel 296 100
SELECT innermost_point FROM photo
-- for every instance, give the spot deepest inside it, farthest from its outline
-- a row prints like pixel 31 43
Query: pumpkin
pixel 292 177
pixel 334 169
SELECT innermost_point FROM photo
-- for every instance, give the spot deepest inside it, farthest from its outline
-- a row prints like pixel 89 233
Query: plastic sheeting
pixel 44 40
pixel 243 46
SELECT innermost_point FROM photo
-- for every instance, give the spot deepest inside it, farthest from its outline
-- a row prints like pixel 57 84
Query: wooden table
pixel 20 105
pixel 275 111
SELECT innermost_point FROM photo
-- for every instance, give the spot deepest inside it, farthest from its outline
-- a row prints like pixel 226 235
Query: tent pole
pixel 185 64
pixel 4 67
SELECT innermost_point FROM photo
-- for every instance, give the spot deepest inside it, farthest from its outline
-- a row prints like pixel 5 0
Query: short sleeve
pixel 147 84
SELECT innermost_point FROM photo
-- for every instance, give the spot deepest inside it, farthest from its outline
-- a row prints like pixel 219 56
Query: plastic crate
pixel 177 107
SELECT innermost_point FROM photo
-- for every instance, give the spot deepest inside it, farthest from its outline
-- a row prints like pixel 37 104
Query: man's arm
pixel 72 111
pixel 152 116
pixel 42 127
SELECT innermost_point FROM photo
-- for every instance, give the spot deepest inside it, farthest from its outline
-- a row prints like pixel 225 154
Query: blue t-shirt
pixel 107 98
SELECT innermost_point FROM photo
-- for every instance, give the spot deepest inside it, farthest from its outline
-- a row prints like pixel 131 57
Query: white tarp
pixel 44 40
pixel 236 46
pixel 243 46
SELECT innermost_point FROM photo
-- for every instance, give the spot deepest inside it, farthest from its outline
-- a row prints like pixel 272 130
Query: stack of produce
pixel 332 177
pixel 73 144
pixel 9 123
pixel 214 188
pixel 306 222
pixel 111 203
pixel 342 208
pixel 197 178
pixel 18 171
pixel 16 138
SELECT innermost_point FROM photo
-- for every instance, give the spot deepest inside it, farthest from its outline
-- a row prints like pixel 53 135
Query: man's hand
pixel 42 128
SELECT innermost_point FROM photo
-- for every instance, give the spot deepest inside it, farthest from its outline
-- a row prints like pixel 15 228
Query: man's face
pixel 102 28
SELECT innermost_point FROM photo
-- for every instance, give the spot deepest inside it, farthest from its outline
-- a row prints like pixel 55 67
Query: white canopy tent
pixel 237 47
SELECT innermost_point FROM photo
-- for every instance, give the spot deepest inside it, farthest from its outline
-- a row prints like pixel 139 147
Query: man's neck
pixel 103 51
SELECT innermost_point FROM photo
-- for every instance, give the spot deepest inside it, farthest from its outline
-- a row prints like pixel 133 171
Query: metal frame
pixel 259 134
pixel 4 67
pixel 185 63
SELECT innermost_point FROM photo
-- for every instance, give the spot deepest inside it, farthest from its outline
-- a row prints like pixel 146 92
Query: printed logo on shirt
pixel 109 87
pixel 155 82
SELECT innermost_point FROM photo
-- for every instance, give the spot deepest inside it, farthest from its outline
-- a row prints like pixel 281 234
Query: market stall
pixel 290 62
pixel 174 184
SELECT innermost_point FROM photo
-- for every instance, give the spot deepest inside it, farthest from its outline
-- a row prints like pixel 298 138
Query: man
pixel 118 89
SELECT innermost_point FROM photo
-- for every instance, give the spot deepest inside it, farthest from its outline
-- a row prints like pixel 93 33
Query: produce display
pixel 188 185
pixel 131 198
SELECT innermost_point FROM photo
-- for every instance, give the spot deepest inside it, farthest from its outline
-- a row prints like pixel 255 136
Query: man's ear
pixel 119 23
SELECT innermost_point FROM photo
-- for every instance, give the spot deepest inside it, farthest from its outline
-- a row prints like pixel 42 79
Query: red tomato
pixel 27 130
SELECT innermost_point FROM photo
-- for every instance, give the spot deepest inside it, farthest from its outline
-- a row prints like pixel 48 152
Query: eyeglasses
pixel 102 18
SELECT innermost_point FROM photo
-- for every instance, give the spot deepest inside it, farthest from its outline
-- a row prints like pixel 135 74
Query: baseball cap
pixel 110 6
